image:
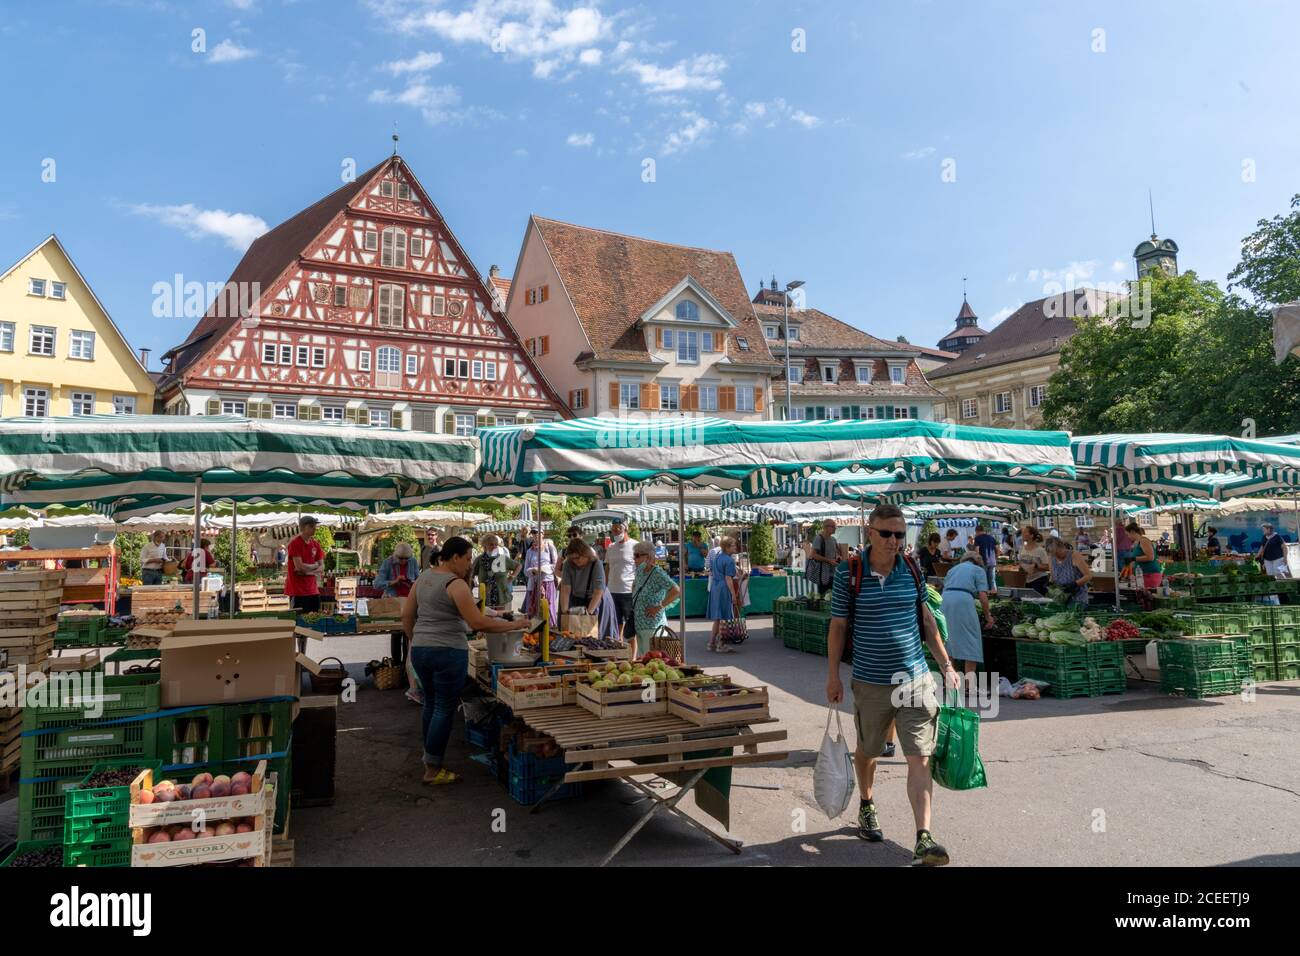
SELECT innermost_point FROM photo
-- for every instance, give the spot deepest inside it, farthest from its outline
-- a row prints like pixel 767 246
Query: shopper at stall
pixel 1142 558
pixel 823 557
pixel 987 547
pixel 930 554
pixel 620 572
pixel 950 545
pixel 1213 547
pixel 398 572
pixel 1082 542
pixel 724 596
pixel 1033 559
pixel 152 558
pixel 891 681
pixel 281 557
pixel 430 549
pixel 583 589
pixel 1272 553
pixel 1070 572
pixel 439 614
pixel 205 562
pixel 306 564
pixel 696 552
pixel 963 585
pixel 494 567
pixel 653 592
pixel 540 564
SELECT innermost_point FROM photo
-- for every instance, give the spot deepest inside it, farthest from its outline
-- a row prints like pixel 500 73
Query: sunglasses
pixel 900 535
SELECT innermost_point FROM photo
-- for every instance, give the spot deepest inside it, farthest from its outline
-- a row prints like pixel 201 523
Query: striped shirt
pixel 886 630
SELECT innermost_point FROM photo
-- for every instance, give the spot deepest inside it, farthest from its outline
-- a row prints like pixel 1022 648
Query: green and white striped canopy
pixel 513 525
pixel 666 515
pixel 756 454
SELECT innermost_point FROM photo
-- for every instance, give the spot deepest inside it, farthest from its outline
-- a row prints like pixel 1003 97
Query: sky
pixel 881 152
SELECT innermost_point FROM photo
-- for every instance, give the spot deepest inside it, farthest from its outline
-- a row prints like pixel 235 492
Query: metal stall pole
pixel 198 530
pixel 1114 539
pixel 681 563
pixel 234 551
pixel 862 528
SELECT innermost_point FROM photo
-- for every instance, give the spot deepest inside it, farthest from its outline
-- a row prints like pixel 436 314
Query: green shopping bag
pixel 956 762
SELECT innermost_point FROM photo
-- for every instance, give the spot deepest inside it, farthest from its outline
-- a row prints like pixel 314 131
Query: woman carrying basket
pixel 653 591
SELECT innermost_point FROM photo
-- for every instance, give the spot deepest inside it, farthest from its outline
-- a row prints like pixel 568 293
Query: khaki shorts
pixel 917 720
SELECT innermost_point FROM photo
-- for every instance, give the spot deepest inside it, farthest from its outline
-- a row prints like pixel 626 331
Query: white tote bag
pixel 833 777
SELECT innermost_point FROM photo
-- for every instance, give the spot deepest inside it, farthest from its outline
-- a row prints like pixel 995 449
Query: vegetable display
pixel 1122 630
pixel 1063 628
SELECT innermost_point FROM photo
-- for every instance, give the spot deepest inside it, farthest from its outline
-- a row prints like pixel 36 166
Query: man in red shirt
pixel 306 562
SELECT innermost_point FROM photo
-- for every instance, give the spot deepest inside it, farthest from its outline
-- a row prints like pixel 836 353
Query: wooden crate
pixel 622 654
pixel 732 705
pixel 624 701
pixel 544 689
pixel 281 851
pixel 212 808
pixel 85 661
pixel 163 597
pixel 210 849
pixel 278 602
pixel 478 654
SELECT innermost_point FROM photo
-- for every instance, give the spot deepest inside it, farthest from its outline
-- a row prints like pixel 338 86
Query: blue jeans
pixel 442 672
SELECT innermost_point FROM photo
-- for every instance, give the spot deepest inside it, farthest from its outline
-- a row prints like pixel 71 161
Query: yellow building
pixel 60 353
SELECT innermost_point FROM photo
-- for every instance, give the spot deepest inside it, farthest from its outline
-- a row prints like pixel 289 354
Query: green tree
pixel 1270 259
pixel 762 545
pixel 245 567
pixel 928 528
pixel 128 545
pixel 384 547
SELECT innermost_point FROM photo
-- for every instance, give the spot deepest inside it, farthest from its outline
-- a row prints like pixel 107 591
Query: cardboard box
pixel 224 662
pixel 385 607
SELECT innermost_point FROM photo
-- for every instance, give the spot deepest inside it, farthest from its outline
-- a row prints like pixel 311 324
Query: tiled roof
pixel 612 279
pixel 1027 333
pixel 965 331
pixel 914 382
pixel 966 311
pixel 879 389
pixel 268 256
pixel 935 353
pixel 502 285
pixel 819 330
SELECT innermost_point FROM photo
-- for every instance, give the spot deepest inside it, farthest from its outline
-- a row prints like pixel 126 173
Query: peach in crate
pixel 528 688
pixel 717 701
pixel 211 798
pixel 200 840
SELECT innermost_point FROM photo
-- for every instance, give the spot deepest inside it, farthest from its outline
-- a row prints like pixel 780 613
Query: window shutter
pixel 397 420
pixel 912 412
pixel 689 397
pixel 710 341
pixel 880 411
pixel 449 423
pixel 758 398
pixel 572 398
pixel 645 396
pixel 546 342
pixel 546 292
pixel 889 412
pixel 613 394
pixel 214 407
pixel 727 398
pixel 486 421
pixel 659 338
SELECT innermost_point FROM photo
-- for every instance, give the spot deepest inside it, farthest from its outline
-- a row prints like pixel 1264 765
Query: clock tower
pixel 1156 253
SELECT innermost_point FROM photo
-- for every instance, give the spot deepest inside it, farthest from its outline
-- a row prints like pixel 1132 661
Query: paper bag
pixel 580 625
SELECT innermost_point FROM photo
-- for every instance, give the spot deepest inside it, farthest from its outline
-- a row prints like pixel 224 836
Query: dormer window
pixel 864 374
pixel 830 374
pixel 796 374
pixel 687 311
pixel 897 374
pixel 771 332
pixel 794 333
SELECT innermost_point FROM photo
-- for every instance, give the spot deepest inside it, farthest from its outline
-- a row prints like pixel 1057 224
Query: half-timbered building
pixel 363 308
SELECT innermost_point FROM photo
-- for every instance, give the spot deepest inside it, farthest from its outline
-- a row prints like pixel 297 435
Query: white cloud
pixel 689 135
pixel 806 120
pixel 521 152
pixel 1119 265
pixel 773 114
pixel 1013 277
pixel 1075 270
pixel 236 229
pixel 922 153
pixel 228 51
pixel 243 4
pixel 420 63
pixel 591 57
pixel 1002 313
pixel 581 139
pixel 436 103
pixel 622 48
pixel 702 72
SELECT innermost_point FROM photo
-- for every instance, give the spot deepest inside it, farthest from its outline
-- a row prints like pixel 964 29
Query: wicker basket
pixel 330 679
pixel 387 675
pixel 666 640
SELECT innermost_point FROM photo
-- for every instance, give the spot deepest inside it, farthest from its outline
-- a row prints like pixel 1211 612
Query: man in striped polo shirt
pixel 891 683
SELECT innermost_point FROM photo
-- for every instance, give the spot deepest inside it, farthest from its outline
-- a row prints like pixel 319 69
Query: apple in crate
pixel 160 836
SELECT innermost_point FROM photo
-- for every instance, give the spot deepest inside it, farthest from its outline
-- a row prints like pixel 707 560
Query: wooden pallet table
pixel 599 749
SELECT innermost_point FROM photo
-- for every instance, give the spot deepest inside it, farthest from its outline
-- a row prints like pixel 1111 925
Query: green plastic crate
pixel 1260 635
pixel 792 639
pixel 1061 682
pixel 126 695
pixel 109 828
pixel 1263 672
pixel 106 853
pixel 1207 682
pixel 1197 655
pixel 26 846
pixel 172 730
pixel 1286 634
pixel 241 738
pixel 1043 654
pixel 85 802
pixel 811 644
pixel 42 797
pixel 51 743
pixel 1287 654
pixel 1288 671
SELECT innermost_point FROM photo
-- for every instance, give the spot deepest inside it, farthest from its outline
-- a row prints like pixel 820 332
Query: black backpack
pixel 856 563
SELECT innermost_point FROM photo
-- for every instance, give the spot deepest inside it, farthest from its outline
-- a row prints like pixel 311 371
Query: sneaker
pixel 927 852
pixel 889 750
pixel 869 823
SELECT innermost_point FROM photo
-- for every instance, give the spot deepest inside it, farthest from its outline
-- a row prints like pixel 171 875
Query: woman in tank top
pixel 439 614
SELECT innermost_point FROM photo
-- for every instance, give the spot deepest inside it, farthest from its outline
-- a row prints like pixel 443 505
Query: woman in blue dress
pixel 723 599
pixel 962 585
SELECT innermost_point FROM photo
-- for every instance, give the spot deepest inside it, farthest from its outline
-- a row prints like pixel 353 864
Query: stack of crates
pixel 1070 670
pixel 60 745
pixel 1286 642
pixel 96 827
pixel 531 777
pixel 1199 668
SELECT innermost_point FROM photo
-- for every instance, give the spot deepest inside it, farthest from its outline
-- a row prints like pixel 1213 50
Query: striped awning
pixel 665 515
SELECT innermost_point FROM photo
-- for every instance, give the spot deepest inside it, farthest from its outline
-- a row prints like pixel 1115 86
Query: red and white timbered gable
pixel 380 318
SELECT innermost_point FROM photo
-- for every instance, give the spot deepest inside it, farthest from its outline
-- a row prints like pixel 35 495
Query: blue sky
pixel 825 164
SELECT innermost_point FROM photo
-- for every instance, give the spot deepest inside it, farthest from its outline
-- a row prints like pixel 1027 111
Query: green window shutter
pixel 880 411
pixel 889 412
pixel 913 412
pixel 397 420
pixel 214 406
pixel 846 411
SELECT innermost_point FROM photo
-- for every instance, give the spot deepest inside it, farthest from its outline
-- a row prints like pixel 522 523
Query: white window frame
pixel 439 305
pixel 707 341
pixel 286 355
pixel 270 353
pixel 302 356
pixel 412 364
pixel 387 355
pixel 317 352
pixel 9 334
pixel 233 406
pixel 386 188
pixel 898 374
pixel 863 374
pixel 123 404
pixel 669 342
pixel 667 404
pixel 36 287
pixel 691 310
pixel 794 333
pixel 340 296
pixel 466 423
pixel 1084 521
pixel 416 246
pixel 579 399
pixel 688 345
pixel 370 241
pixel 46 333
pixel 769 331
pixel 58 290
pixel 284 410
pixel 629 395
pixel 708 398
pixel 744 398
pixel 332 414
pixel 830 374
pixel 392 248
pixel 78 402
pixel 476 369
pixel 381 417
pixel 970 408
pixel 448 367
pixel 902 412
pixel 742 343
pixel 1044 522
pixel 999 408
pixel 796 374
pixel 462 368
pixel 36 398
pixel 1037 395
pixel 363 360
pixel 404 188
pixel 489 371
